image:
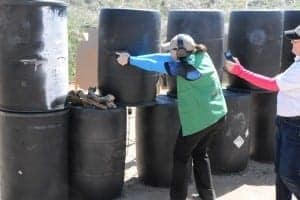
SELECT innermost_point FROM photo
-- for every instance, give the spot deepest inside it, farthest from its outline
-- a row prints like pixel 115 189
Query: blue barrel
pixel 34 155
pixel 291 20
pixel 262 126
pixel 135 31
pixel 230 148
pixel 97 153
pixel 33 55
pixel 204 26
pixel 255 37
pixel 157 128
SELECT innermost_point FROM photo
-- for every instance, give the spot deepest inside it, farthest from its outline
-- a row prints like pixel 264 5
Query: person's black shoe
pixel 206 194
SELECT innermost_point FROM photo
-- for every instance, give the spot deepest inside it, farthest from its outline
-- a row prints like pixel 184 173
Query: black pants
pixel 196 147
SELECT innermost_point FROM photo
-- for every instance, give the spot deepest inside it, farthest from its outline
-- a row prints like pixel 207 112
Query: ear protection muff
pixel 181 50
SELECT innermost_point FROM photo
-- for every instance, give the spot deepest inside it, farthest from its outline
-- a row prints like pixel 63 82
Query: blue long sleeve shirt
pixel 151 62
pixel 165 64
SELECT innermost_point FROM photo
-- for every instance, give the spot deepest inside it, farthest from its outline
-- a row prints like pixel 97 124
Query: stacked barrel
pixel 135 31
pixel 157 121
pixel 255 37
pixel 33 88
pixel 157 128
pixel 97 153
pixel 98 137
pixel 230 148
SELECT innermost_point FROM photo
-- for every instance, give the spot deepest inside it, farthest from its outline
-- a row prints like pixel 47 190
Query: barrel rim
pixel 256 11
pixel 197 10
pixel 291 10
pixel 20 109
pixel 82 108
pixel 130 9
pixel 34 2
pixel 34 114
pixel 236 93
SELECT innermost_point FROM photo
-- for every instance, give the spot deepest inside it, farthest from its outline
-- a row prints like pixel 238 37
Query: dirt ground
pixel 254 183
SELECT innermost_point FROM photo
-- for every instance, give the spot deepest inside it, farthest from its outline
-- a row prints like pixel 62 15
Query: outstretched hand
pixel 229 65
pixel 123 57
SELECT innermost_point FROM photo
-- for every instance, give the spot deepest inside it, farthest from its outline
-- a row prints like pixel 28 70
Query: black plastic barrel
pixel 157 128
pixel 135 31
pixel 262 126
pixel 291 21
pixel 255 38
pixel 97 153
pixel 33 55
pixel 230 147
pixel 204 26
pixel 34 156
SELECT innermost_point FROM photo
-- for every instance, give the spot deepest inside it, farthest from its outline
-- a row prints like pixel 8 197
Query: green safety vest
pixel 201 103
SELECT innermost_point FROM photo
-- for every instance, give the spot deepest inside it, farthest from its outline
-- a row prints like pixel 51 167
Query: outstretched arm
pixel 159 62
pixel 258 80
pixel 150 62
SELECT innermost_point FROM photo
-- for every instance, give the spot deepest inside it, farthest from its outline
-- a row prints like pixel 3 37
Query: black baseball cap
pixel 293 34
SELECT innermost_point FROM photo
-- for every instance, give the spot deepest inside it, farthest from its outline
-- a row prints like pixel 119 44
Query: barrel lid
pixel 34 2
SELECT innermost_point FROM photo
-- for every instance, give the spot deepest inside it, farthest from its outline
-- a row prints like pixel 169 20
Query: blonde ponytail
pixel 200 48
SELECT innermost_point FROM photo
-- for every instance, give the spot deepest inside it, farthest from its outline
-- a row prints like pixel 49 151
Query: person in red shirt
pixel 287 84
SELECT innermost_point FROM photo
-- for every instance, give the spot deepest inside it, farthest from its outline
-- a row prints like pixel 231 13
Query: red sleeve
pixel 258 80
